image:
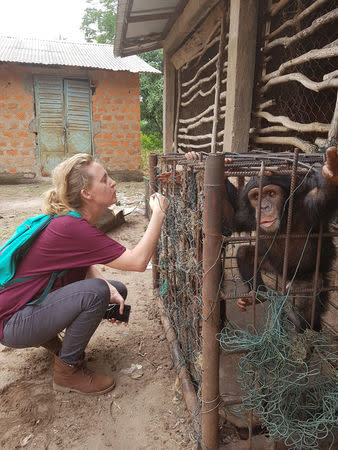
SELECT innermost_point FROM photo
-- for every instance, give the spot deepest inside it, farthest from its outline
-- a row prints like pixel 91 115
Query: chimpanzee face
pixel 270 208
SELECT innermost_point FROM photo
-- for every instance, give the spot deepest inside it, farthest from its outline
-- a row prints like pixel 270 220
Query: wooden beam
pixel 178 10
pixel 240 76
pixel 168 104
pixel 132 50
pixel 199 38
pixel 191 16
pixel 123 9
pixel 150 38
pixel 128 6
pixel 148 17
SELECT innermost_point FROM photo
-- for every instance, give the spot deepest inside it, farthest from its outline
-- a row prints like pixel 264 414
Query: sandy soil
pixel 143 412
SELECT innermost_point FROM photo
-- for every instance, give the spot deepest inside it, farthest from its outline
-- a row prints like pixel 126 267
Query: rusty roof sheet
pixel 64 53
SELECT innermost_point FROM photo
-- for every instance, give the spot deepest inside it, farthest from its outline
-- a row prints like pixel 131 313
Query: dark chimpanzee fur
pixel 315 201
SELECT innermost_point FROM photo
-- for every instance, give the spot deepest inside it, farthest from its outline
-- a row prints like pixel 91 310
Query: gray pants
pixel 78 307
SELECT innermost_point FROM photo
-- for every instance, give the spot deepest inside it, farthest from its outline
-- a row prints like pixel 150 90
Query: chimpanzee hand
pixel 244 302
pixel 194 156
pixel 330 168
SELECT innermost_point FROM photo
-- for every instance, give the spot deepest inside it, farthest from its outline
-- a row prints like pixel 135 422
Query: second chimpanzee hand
pixel 330 168
pixel 194 156
pixel 244 302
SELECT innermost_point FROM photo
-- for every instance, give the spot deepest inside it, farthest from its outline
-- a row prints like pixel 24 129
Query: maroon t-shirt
pixel 67 243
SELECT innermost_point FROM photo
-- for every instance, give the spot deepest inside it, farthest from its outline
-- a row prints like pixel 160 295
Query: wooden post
pixel 168 104
pixel 152 190
pixel 219 73
pixel 192 15
pixel 178 105
pixel 212 222
pixel 240 75
pixel 152 173
pixel 188 390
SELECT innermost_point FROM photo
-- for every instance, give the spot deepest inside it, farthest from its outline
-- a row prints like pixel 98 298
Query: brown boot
pixel 53 345
pixel 80 379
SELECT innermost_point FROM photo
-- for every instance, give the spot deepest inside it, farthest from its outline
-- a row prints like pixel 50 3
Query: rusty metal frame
pixel 243 165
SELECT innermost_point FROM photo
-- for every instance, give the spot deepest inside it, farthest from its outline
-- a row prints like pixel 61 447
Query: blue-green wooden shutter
pixel 50 121
pixel 78 116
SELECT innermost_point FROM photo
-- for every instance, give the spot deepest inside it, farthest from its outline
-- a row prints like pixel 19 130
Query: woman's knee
pixel 100 288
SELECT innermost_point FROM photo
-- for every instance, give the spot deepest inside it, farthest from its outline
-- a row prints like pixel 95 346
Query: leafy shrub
pixel 150 143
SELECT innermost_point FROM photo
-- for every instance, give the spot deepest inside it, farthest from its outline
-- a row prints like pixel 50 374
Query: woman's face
pixel 103 189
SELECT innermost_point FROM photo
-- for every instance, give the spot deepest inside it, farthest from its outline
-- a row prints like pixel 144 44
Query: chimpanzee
pixel 315 200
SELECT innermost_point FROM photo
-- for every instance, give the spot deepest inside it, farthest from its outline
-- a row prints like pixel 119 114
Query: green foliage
pixel 151 91
pixel 98 24
pixel 150 143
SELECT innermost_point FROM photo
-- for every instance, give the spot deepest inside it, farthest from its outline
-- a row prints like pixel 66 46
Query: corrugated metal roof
pixel 142 25
pixel 64 53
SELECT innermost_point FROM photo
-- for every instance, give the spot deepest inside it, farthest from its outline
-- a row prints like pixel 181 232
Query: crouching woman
pixel 79 299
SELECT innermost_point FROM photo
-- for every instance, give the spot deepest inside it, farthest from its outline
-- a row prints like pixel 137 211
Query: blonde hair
pixel 69 178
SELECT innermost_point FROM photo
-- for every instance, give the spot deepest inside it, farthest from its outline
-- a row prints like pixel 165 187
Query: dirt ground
pixel 143 412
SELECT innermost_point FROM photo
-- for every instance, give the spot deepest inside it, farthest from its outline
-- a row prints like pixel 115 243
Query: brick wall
pixel 17 144
pixel 115 109
pixel 116 106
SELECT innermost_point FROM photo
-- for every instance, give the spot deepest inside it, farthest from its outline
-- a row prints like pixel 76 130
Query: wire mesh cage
pixel 270 371
pixel 295 99
pixel 284 363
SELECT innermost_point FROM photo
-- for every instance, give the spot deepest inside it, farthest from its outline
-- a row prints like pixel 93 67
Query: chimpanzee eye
pixel 253 196
pixel 272 193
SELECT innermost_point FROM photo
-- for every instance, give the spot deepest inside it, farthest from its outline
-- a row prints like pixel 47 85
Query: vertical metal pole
pixel 254 284
pixel 315 282
pixel 212 221
pixel 258 220
pixel 198 256
pixel 289 221
pixel 152 190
